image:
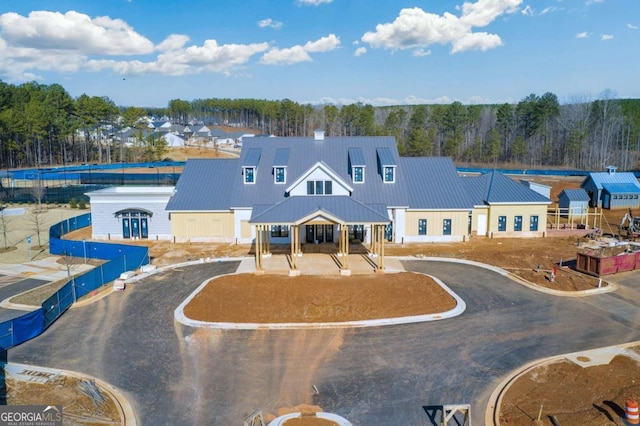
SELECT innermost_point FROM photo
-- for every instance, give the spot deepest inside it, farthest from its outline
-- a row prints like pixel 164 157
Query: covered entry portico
pixel 317 220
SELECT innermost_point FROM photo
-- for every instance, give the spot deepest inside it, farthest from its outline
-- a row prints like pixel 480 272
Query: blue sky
pixel 382 52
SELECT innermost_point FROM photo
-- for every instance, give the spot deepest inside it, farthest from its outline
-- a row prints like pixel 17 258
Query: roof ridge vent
pixel 318 135
pixel 611 170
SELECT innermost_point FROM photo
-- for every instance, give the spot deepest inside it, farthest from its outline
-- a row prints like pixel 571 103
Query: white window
pixel 389 174
pixel 249 175
pixel 279 175
pixel 358 174
pixel 319 187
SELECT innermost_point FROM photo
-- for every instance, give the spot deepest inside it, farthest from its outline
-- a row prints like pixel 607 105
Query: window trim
pixel 249 171
pixel 532 223
pixel 517 227
pixel 393 174
pixel 502 223
pixel 326 187
pixel 275 175
pixel 422 230
pixel 447 224
pixel 355 176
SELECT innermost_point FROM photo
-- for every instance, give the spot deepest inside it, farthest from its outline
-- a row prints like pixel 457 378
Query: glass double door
pixel 319 233
pixel 135 227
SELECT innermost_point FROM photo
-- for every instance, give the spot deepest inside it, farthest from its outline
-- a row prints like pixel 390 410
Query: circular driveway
pixel 176 374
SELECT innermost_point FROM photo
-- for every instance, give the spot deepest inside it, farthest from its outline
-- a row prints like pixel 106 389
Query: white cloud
pixel 548 10
pixel 173 42
pixel 583 34
pixel 210 57
pixel 314 2
pixel 286 56
pixel 71 42
pixel 324 44
pixel 270 23
pixel 528 11
pixel 606 37
pixel 382 101
pixel 360 51
pixel 73 31
pixel 421 52
pixel 295 54
pixel 415 28
pixel 632 27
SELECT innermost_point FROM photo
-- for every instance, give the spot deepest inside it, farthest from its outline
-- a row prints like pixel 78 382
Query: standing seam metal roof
pixel 204 185
pixel 621 188
pixel 343 208
pixel 356 157
pixel 575 194
pixel 600 178
pixel 494 187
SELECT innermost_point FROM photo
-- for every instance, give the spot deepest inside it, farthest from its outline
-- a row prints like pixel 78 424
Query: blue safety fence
pixel 119 257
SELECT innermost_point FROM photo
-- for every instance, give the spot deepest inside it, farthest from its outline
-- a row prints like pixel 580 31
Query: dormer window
pixel 279 175
pixel 358 174
pixel 389 174
pixel 249 175
pixel 319 187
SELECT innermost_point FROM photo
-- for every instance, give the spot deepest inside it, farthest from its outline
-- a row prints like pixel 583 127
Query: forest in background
pixel 42 125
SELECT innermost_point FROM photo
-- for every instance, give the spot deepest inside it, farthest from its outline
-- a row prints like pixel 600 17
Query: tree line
pixel 42 125
pixel 538 131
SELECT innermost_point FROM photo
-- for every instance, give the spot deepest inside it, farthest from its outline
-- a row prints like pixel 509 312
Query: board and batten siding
pixel 435 225
pixel 510 211
pixel 202 227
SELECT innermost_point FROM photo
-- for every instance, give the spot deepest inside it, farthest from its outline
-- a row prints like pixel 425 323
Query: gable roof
pixel 305 153
pixel 341 209
pixel 433 183
pixel 495 188
pixel 575 195
pixel 600 178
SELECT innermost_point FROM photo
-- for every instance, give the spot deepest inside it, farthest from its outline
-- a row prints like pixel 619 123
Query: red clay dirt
pixel 575 396
pixel 248 298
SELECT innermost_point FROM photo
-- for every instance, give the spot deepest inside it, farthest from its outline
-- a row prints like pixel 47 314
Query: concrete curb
pixel 124 407
pixel 183 319
pixel 492 412
pixel 609 288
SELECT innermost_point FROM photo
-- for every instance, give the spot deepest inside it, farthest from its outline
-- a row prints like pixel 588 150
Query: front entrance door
pixel 135 228
pixel 319 233
pixel 126 232
pixel 143 228
pixel 328 233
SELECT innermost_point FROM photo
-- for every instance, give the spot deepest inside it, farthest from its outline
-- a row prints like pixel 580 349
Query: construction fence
pixel 120 258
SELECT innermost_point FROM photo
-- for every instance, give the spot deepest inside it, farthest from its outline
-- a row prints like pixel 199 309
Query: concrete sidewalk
pixel 46 268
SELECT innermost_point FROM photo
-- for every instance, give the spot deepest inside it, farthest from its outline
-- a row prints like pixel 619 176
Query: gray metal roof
pixel 252 159
pixel 342 209
pixel 356 157
pixel 621 188
pixel 385 157
pixel 305 152
pixel 572 194
pixel 204 185
pixel 433 183
pixel 599 178
pixel 282 157
pixel 494 187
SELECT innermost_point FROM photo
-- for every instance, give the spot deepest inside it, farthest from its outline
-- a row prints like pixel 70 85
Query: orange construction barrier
pixel 631 412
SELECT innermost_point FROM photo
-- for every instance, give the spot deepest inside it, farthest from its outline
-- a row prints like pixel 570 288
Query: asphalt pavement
pixel 175 374
pixel 12 285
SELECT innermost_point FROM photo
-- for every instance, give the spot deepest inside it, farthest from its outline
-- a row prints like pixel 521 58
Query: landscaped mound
pixel 248 298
